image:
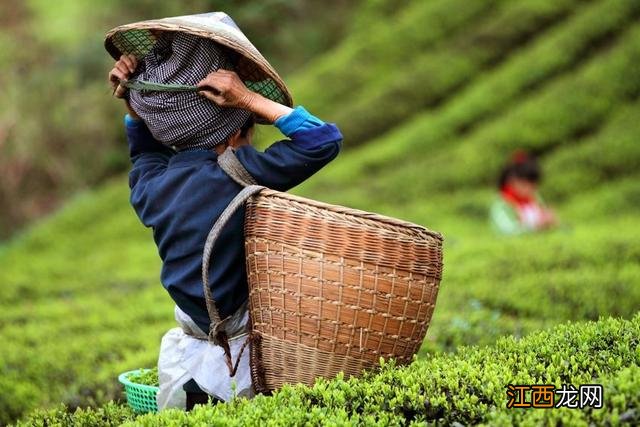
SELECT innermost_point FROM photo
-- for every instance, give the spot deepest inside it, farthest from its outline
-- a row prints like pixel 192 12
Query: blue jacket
pixel 180 196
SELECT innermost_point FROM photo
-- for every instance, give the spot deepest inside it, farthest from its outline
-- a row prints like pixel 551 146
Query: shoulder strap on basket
pixel 232 166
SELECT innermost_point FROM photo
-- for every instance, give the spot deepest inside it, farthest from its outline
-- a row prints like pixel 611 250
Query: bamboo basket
pixel 334 289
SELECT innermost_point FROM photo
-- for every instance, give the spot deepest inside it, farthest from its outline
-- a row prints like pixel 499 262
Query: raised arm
pixel 289 162
pixel 285 164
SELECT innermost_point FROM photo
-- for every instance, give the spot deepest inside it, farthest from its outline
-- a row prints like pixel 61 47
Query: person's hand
pixel 122 69
pixel 227 90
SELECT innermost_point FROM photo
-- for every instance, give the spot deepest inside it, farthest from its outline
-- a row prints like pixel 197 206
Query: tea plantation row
pixel 444 51
pixel 567 109
pixel 468 387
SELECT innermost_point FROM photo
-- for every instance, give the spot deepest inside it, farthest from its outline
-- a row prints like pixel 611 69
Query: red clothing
pixel 530 210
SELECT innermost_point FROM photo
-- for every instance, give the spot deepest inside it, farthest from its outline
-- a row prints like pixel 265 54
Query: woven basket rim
pixel 352 212
pixel 182 24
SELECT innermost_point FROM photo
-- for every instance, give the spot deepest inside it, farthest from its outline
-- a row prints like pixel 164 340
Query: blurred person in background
pixel 519 208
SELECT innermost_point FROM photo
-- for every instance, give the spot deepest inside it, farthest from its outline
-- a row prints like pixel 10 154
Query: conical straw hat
pixel 256 72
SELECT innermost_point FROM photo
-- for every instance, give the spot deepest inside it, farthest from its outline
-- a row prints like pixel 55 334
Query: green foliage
pixel 495 287
pixel 621 400
pixel 569 107
pixel 81 301
pixel 611 153
pixel 87 331
pixel 492 94
pixel 78 306
pixel 424 77
pixel 109 415
pixel 469 387
pixel 372 52
pixel 145 377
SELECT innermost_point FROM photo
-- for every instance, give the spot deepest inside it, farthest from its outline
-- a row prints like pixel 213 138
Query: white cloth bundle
pixel 185 353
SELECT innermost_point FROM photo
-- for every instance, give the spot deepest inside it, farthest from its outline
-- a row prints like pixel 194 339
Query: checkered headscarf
pixel 185 120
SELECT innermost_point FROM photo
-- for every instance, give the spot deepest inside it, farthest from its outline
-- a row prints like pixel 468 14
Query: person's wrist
pixel 249 101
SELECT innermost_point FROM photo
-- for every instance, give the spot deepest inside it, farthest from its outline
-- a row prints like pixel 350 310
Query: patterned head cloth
pixel 185 120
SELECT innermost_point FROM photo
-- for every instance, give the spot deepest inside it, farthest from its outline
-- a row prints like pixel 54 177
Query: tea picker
pixel 270 288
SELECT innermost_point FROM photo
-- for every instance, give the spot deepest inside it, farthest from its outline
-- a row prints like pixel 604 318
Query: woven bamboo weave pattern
pixel 334 289
pixel 304 364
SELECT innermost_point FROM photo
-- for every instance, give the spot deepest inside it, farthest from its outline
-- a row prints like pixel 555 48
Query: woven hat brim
pixel 252 67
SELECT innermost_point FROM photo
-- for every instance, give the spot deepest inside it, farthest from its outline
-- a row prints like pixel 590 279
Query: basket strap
pixel 217 334
pixel 229 163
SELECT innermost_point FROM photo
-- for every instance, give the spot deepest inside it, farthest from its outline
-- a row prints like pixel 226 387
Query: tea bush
pixel 78 306
pixel 145 377
pixel 371 51
pixel 75 334
pixel 468 387
pixel 610 154
pixel 109 415
pixel 569 108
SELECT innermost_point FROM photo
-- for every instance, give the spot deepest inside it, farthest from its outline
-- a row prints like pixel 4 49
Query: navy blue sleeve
pixel 140 139
pixel 149 159
pixel 287 163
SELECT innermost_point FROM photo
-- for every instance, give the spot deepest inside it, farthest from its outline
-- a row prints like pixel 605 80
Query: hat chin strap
pixel 147 86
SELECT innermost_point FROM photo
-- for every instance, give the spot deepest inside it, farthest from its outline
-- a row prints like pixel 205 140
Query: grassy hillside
pixel 431 103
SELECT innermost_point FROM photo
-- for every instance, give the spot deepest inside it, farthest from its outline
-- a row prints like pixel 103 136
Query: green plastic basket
pixel 141 397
